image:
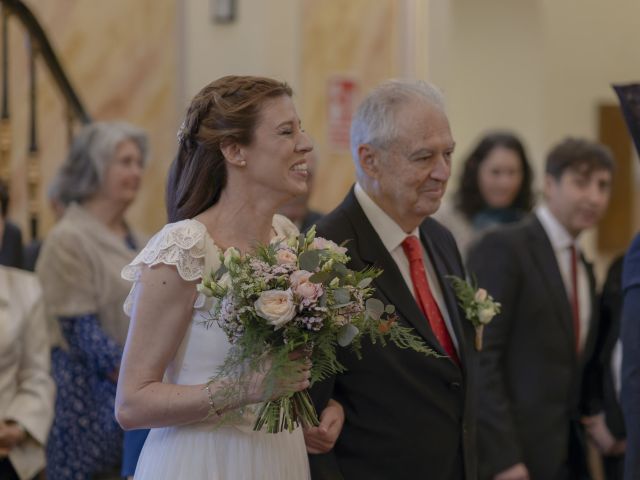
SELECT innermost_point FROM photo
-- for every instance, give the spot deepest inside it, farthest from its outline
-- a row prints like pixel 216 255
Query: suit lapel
pixel 547 263
pixel 444 268
pixel 390 284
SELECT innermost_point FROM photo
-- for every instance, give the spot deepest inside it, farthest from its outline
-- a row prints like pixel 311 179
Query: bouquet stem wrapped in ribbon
pixel 293 295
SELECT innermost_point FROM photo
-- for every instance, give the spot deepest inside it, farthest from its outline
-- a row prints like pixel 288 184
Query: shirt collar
pixel 557 233
pixel 387 229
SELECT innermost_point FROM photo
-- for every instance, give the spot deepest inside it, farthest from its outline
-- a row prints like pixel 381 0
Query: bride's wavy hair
pixel 228 109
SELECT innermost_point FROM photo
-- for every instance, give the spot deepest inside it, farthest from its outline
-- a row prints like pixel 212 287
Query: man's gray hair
pixel 82 173
pixel 375 123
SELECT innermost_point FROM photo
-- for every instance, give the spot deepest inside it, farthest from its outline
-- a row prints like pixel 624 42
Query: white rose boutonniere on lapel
pixel 479 307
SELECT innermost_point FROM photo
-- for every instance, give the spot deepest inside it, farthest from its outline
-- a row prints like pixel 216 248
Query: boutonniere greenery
pixel 479 307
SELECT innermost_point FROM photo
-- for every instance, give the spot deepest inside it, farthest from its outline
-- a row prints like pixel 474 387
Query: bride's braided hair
pixel 227 109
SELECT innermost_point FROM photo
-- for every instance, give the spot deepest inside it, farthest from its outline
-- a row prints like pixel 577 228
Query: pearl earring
pixel 243 163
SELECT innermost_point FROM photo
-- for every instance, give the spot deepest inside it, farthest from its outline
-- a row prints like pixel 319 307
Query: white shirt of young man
pixel 392 237
pixel 561 242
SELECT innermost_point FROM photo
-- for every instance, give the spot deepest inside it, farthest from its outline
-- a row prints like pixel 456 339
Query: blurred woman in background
pixel 495 188
pixel 79 268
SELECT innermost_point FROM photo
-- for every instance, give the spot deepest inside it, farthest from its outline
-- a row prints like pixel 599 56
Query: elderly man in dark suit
pixel 532 367
pixel 406 415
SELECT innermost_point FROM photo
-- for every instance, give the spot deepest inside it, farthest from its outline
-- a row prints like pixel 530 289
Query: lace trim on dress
pixel 185 245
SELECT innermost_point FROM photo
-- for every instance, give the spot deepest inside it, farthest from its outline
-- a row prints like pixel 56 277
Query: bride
pixel 242 154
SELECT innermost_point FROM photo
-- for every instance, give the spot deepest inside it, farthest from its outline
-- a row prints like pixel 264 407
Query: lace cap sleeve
pixel 185 245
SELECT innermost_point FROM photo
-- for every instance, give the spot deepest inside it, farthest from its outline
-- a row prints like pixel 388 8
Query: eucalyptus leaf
pixel 340 269
pixel 323 300
pixel 309 260
pixel 341 295
pixel 346 334
pixel 389 309
pixel 301 241
pixel 221 271
pixel 365 282
pixel 375 308
pixel 320 277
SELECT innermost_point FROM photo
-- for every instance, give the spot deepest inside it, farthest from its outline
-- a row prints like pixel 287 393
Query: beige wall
pixel 263 40
pixel 538 67
pixel 121 57
pixel 357 39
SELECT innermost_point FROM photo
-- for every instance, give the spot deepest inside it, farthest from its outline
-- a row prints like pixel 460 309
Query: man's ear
pixel 233 153
pixel 369 160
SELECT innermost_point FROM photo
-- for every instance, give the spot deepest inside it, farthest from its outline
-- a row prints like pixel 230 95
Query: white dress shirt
pixel 392 237
pixel 561 242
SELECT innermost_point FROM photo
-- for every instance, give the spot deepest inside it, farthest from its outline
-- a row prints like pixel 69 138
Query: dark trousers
pixel 6 470
pixel 613 467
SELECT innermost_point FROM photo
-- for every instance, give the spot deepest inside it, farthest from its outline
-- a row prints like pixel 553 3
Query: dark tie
pixel 575 299
pixel 413 250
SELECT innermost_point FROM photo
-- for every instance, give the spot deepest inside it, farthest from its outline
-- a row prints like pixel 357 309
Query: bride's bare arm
pixel 162 312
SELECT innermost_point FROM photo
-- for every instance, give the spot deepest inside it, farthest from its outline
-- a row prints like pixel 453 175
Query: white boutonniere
pixel 479 307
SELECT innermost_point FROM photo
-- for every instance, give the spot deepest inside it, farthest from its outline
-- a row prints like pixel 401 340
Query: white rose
pixel 486 314
pixel 230 254
pixel 276 307
pixel 481 295
pixel 284 256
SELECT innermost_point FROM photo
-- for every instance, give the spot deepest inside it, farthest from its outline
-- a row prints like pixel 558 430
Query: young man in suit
pixel 406 415
pixel 535 351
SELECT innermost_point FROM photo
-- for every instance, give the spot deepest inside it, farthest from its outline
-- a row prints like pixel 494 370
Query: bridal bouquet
pixel 293 295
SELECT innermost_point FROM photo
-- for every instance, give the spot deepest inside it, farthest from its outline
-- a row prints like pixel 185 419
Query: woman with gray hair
pixel 79 268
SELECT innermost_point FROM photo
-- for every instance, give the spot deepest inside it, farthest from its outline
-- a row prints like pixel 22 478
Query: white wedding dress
pixel 203 451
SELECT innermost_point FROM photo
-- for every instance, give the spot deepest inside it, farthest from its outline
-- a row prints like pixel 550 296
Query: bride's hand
pixel 259 389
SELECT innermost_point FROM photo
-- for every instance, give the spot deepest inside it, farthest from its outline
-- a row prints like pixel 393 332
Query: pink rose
pixel 481 295
pixel 308 291
pixel 298 277
pixel 320 243
pixel 285 256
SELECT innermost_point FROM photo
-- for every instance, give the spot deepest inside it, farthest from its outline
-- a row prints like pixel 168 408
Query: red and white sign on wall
pixel 341 102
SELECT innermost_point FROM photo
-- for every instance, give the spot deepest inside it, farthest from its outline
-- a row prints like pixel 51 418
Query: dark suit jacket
pixel 630 396
pixel 609 333
pixel 311 218
pixel 530 377
pixel 407 416
pixel 11 248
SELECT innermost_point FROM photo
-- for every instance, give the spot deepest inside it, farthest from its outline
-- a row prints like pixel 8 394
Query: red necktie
pixel 413 250
pixel 575 299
